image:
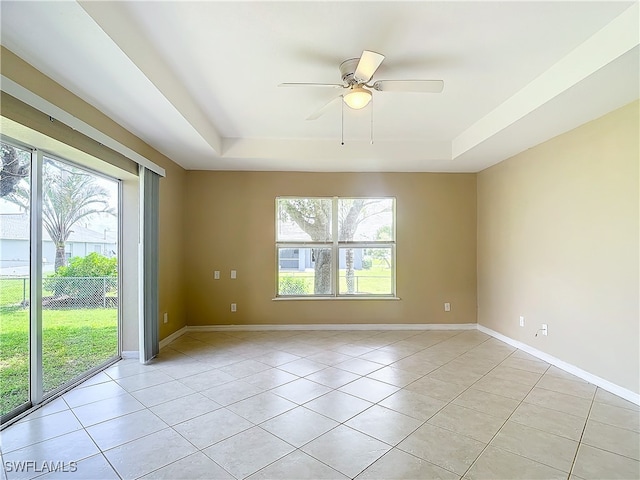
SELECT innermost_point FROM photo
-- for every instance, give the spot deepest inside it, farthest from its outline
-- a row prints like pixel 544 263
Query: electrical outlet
pixel 233 274
pixel 216 275
pixel 233 307
pixel 447 307
pixel 521 321
pixel 166 317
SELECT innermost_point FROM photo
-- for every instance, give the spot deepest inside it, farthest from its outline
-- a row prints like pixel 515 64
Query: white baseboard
pixel 567 367
pixel 332 326
pixel 175 335
pixel 129 354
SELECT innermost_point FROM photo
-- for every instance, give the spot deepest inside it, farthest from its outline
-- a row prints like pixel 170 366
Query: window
pixel 334 247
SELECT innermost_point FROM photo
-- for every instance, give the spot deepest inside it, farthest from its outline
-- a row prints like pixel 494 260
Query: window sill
pixel 358 297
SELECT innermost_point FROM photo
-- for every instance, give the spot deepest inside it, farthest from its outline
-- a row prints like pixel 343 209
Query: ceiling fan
pixel 356 75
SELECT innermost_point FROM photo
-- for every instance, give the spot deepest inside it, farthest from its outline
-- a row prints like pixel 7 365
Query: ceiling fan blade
pixel 367 66
pixel 318 113
pixel 418 86
pixel 327 85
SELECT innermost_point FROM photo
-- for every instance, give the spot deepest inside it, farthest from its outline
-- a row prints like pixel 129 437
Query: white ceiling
pixel 199 80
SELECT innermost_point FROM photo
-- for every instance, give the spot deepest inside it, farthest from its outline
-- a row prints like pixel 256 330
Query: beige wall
pixel 558 243
pixel 231 223
pixel 171 237
pixel 172 188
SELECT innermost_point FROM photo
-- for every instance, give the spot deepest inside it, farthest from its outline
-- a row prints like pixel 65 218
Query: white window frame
pixel 336 245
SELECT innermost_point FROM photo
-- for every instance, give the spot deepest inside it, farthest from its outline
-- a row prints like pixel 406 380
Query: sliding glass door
pixel 60 311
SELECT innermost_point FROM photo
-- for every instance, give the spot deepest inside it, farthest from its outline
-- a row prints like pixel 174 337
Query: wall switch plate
pixel 447 307
pixel 166 317
pixel 545 331
pixel 233 274
pixel 233 307
pixel 216 275
pixel 521 321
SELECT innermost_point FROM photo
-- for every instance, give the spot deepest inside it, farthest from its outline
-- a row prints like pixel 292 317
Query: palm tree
pixel 68 196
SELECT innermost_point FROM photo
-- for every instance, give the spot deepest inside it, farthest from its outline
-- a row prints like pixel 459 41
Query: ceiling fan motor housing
pixel 347 70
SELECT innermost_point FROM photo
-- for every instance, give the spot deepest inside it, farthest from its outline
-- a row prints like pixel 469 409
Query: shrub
pixel 367 263
pixel 73 280
pixel 292 286
pixel 93 265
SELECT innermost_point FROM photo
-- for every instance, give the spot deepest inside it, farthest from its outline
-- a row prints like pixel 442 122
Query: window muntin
pixel 335 247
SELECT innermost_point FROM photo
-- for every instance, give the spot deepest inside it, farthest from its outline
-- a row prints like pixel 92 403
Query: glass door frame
pixel 36 394
pixel 35 278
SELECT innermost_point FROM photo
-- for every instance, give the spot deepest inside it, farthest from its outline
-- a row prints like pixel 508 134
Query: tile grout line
pixel 579 442
pixel 298 449
pixel 451 401
pixel 505 422
pixel 92 439
pixel 425 422
pixel 84 429
pixel 584 428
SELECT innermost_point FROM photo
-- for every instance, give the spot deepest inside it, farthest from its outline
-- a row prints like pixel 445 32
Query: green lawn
pixel 373 281
pixel 13 291
pixel 73 341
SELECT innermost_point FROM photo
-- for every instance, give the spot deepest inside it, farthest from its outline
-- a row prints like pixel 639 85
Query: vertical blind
pixel 150 205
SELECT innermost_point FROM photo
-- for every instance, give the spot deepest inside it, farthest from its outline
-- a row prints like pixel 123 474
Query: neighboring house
pixel 14 244
pixel 302 258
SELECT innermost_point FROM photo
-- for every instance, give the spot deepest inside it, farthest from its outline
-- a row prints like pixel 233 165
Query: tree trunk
pixel 61 259
pixel 351 287
pixel 322 283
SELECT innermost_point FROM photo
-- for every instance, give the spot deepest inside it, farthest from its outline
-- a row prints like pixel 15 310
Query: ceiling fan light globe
pixel 357 98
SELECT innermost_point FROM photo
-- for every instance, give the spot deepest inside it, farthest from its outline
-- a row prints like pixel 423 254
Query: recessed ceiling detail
pixel 198 81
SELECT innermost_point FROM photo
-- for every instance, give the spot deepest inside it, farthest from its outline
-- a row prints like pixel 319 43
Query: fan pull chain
pixel 371 128
pixel 342 123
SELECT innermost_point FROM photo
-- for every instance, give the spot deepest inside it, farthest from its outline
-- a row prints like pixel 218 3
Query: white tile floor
pixel 331 405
